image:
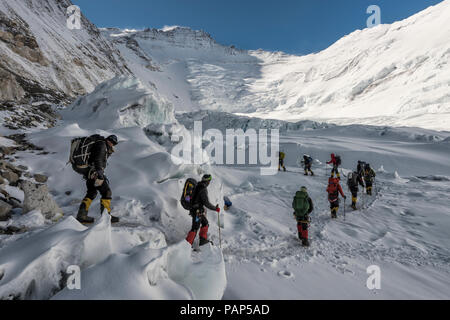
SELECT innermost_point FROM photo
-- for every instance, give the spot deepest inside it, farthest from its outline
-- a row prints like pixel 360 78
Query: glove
pixel 217 209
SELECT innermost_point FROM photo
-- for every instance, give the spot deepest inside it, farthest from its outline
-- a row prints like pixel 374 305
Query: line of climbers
pixel 89 156
pixel 303 205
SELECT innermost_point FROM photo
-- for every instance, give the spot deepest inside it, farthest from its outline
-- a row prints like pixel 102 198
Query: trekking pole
pixel 344 208
pixel 220 237
pixel 363 196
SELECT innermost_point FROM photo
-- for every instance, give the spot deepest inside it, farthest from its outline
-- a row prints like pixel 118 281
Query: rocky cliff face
pixel 41 59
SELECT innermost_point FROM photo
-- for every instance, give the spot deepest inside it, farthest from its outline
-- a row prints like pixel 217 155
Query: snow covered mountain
pixel 396 75
pixel 165 60
pixel 42 59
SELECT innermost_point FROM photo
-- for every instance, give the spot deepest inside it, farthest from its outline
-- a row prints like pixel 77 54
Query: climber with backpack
pixel 281 156
pixel 353 182
pixel 303 206
pixel 195 199
pixel 333 190
pixel 369 177
pixel 88 156
pixel 360 168
pixel 336 162
pixel 307 163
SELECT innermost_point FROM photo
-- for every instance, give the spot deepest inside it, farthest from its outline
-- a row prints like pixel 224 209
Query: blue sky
pixel 292 26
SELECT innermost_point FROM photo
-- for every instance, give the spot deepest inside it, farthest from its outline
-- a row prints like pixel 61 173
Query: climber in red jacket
pixel 336 161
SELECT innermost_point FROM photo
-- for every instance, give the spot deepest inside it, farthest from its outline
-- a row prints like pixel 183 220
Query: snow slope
pixel 395 75
pixel 402 229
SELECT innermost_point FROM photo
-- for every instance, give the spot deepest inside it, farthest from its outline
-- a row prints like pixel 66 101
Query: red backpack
pixel 333 189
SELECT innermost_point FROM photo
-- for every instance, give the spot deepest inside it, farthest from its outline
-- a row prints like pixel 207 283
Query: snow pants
pixel 354 192
pixel 334 206
pixel 302 227
pixel 335 170
pixel 198 219
pixel 281 164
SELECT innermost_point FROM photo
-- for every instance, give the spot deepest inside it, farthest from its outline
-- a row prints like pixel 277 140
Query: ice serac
pixel 120 103
pixel 42 59
pixel 113 265
pixel 170 59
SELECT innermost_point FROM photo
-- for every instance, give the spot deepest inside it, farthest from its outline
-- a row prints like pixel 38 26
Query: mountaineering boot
pixel 334 213
pixel 106 204
pixel 312 173
pixel 82 215
pixel 204 241
pixel 354 199
pixel 305 242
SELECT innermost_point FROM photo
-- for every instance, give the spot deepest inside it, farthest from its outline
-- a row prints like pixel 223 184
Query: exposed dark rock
pixel 5 211
pixel 40 178
pixel 11 230
pixel 12 177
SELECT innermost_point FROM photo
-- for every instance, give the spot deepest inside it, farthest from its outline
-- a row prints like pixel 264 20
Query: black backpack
pixel 338 160
pixel 187 196
pixel 80 150
pixel 361 167
pixel 352 180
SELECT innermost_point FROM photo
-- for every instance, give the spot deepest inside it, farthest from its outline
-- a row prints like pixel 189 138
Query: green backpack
pixel 301 203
